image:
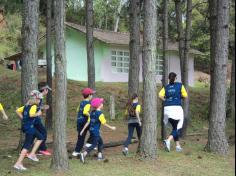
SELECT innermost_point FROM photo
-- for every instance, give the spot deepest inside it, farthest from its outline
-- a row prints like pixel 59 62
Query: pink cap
pixel 88 91
pixel 96 102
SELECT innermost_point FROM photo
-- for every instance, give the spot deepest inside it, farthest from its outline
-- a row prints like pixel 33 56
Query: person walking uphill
pixel 172 96
pixel 43 88
pixel 133 110
pixel 82 118
pixel 27 114
pixel 96 119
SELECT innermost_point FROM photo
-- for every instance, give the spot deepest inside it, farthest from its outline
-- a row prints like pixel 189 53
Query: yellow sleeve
pixel 184 92
pixel 138 108
pixel 162 93
pixel 33 110
pixel 126 112
pixel 86 110
pixel 1 107
pixel 102 119
pixel 88 119
pixel 20 110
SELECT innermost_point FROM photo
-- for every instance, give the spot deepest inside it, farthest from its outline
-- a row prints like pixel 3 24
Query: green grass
pixel 192 162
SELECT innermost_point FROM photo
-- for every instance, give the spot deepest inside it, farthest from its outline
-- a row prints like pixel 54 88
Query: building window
pixel 120 61
pixel 159 65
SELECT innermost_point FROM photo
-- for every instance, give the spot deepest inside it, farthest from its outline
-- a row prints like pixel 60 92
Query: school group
pixel 90 118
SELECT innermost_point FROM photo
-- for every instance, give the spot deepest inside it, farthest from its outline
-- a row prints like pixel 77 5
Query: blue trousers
pixel 175 132
pixel 81 139
pixel 96 142
pixel 29 137
pixel 40 127
pixel 131 127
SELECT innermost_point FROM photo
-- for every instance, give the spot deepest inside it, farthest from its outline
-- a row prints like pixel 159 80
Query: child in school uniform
pixel 83 111
pixel 43 88
pixel 27 114
pixel 4 115
pixel 133 111
pixel 96 119
pixel 172 95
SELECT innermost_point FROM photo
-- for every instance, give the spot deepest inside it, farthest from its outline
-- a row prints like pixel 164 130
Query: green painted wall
pixel 77 56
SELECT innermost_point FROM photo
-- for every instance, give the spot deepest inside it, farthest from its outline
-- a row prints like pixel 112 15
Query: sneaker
pixel 100 156
pixel 178 149
pixel 33 158
pixel 82 158
pixel 125 151
pixel 75 153
pixel 20 167
pixel 45 152
pixel 167 145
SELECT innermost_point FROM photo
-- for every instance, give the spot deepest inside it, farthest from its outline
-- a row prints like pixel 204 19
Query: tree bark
pixel 116 27
pixel 217 141
pixel 165 61
pixel 60 156
pixel 30 30
pixel 187 42
pixel 134 47
pixel 180 31
pixel 90 47
pixel 232 83
pixel 148 145
pixel 48 120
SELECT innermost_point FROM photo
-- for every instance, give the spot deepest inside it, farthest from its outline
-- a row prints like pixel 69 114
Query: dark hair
pixel 41 85
pixel 86 96
pixel 129 104
pixel 172 77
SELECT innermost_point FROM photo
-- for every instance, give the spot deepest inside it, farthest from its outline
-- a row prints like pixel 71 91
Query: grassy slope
pixel 194 161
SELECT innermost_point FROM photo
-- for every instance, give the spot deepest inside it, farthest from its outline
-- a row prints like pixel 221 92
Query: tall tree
pixel 134 47
pixel 180 31
pixel 60 156
pixel 148 145
pixel 116 27
pixel 165 60
pixel 48 120
pixel 186 62
pixel 90 47
pixel 232 83
pixel 217 141
pixel 30 30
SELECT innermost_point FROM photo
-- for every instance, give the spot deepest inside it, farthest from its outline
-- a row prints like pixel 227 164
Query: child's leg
pixel 130 134
pixel 21 157
pixel 38 142
pixel 94 144
pixel 80 141
pixel 139 131
pixel 174 132
pixel 43 131
pixel 100 148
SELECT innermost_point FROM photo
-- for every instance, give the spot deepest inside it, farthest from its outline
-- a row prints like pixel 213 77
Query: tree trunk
pixel 165 61
pixel 134 47
pixel 232 84
pixel 90 47
pixel 180 31
pixel 116 27
pixel 60 156
pixel 48 120
pixel 217 141
pixel 148 145
pixel 186 64
pixel 30 30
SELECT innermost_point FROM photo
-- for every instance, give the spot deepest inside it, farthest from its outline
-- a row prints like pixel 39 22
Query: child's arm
pixel 3 112
pixel 137 111
pixel 111 127
pixel 85 126
pixel 19 112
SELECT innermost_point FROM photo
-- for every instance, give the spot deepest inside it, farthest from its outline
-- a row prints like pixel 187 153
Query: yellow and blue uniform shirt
pixel 173 94
pixel 28 121
pixel 83 111
pixel 96 119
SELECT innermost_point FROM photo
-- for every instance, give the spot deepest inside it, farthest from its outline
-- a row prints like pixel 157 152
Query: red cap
pixel 88 91
pixel 96 102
